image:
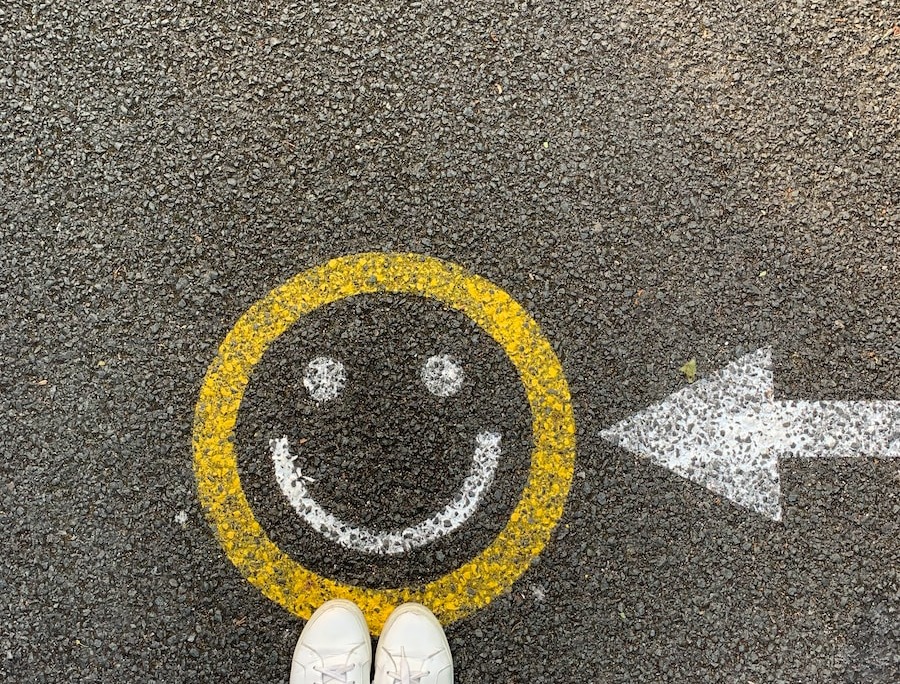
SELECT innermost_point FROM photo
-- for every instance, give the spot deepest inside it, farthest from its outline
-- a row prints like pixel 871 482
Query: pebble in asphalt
pixel 654 182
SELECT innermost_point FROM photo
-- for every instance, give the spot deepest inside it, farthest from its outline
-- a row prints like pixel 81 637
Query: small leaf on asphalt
pixel 690 370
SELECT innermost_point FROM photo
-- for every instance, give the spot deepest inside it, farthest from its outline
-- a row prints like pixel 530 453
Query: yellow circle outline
pixel 474 584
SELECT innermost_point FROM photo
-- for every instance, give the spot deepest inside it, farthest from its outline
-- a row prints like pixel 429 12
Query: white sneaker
pixel 413 649
pixel 334 647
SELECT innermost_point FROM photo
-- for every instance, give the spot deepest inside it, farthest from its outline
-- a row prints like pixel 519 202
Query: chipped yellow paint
pixel 474 584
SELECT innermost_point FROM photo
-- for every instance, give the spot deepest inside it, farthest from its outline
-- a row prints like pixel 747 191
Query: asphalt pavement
pixel 651 182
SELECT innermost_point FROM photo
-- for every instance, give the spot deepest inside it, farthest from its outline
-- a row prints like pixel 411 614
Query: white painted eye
pixel 324 378
pixel 442 376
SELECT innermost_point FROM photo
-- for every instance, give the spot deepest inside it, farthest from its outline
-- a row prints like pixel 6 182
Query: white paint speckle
pixel 324 378
pixel 442 375
pixel 181 518
pixel 464 504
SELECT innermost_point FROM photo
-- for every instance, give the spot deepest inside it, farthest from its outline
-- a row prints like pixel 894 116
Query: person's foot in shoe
pixel 334 647
pixel 413 649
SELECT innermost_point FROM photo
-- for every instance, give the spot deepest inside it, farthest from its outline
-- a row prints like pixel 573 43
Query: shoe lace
pixel 334 673
pixel 405 674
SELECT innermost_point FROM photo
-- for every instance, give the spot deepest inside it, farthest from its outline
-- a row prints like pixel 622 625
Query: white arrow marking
pixel 727 432
pixel 293 485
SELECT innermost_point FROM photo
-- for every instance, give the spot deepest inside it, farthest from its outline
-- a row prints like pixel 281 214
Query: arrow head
pixel 714 433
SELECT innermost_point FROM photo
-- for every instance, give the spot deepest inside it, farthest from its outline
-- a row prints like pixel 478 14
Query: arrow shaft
pixel 835 429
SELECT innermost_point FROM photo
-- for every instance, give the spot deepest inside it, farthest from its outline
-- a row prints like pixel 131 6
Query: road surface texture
pixel 653 182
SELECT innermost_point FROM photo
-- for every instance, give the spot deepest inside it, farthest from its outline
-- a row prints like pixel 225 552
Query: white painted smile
pixel 464 504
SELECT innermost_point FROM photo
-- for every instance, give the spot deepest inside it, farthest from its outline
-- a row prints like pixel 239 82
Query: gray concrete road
pixel 652 182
